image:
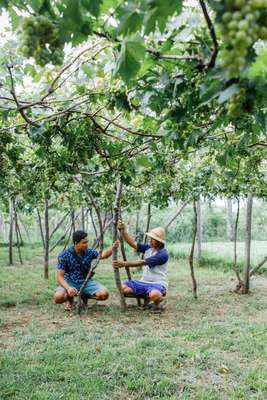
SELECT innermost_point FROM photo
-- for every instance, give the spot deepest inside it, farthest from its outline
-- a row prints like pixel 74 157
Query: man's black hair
pixel 78 236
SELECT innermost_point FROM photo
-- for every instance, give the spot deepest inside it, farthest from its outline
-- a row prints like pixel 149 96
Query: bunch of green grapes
pixel 243 22
pixel 40 39
pixel 236 104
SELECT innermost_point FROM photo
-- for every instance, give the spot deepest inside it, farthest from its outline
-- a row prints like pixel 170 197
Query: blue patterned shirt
pixel 74 265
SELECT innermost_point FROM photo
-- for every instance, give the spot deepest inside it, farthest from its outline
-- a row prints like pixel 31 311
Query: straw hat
pixel 157 234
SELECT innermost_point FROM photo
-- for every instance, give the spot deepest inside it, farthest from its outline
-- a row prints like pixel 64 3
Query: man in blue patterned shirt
pixel 72 269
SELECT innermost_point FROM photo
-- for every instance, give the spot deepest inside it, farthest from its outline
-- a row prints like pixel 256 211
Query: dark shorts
pixel 142 289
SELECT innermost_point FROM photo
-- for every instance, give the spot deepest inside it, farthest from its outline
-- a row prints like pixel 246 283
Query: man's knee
pixel 60 297
pixel 155 295
pixel 127 290
pixel 102 294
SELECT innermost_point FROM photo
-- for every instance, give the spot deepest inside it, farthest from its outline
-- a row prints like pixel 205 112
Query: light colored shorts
pixel 91 288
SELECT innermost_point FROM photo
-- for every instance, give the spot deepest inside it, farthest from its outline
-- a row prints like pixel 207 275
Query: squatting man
pixel 73 266
pixel 154 282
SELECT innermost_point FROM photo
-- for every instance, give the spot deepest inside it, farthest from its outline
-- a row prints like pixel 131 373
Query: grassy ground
pixel 212 348
pixel 220 254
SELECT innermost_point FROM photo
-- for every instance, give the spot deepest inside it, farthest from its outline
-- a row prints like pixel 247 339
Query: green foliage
pixel 129 60
pixel 158 13
pixel 143 106
pixel 259 67
pixel 40 39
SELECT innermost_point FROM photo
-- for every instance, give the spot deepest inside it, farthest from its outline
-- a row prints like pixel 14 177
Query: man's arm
pixel 159 258
pixel 108 252
pixel 128 264
pixel 129 239
pixel 60 278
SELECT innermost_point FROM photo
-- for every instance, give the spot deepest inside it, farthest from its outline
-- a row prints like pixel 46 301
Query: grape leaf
pixel 129 61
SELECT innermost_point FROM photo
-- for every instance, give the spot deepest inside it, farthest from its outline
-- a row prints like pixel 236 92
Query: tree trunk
pixel 10 236
pixel 82 219
pixel 1 227
pixel 98 239
pixel 46 237
pixel 176 215
pixel 137 224
pixel 147 221
pixel 230 221
pixel 191 256
pixel 73 220
pixel 114 238
pixel 147 228
pixel 4 230
pixel 25 229
pixel 124 257
pixel 258 266
pixel 235 267
pixel 40 227
pixel 87 220
pixel 199 229
pixel 246 270
pixel 70 229
pixel 93 222
pixel 58 225
pixel 17 231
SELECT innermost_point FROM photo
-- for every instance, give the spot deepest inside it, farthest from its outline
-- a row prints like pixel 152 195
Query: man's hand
pixel 118 264
pixel 121 225
pixel 72 291
pixel 116 244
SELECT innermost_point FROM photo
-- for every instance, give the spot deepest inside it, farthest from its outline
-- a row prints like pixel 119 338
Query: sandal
pixel 156 309
pixel 148 306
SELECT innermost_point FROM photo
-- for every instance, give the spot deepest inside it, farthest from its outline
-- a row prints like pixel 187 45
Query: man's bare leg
pixel 156 297
pixel 127 290
pixel 62 297
pixel 101 295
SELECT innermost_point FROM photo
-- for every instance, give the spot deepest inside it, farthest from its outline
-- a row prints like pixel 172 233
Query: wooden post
pixel 246 270
pixel 240 284
pixel 230 222
pixel 114 238
pixel 10 236
pixel 199 230
pixel 46 237
pixel 191 256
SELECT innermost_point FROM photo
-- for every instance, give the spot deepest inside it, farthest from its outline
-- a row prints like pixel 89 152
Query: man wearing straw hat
pixel 154 283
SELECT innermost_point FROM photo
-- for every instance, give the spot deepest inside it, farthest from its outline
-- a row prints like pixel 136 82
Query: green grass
pixel 212 348
pixel 219 255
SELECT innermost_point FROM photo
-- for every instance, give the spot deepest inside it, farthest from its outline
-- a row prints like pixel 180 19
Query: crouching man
pixel 154 283
pixel 72 269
